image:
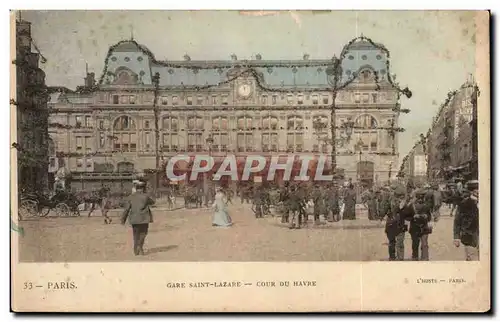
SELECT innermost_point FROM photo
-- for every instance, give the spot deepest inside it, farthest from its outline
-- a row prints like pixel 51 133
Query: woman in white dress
pixel 221 216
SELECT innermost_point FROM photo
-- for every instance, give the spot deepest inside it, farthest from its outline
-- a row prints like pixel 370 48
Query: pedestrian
pixel 221 216
pixel 370 201
pixel 319 201
pixel 395 226
pixel 284 198
pixel 349 203
pixel 438 200
pixel 294 206
pixel 332 203
pixel 466 225
pixel 420 224
pixel 138 212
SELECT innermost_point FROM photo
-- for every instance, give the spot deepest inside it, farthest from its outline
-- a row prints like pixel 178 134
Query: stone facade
pixel 32 114
pixel 450 139
pixel 247 106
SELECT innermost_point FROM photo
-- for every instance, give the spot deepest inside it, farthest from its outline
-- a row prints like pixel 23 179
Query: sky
pixel 432 52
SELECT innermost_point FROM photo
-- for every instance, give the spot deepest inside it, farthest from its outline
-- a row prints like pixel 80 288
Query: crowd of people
pixel 405 209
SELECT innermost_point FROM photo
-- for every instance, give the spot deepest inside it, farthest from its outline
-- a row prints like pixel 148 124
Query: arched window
pixel 366 121
pixel 220 126
pixel 366 75
pixel 195 138
pixel 295 134
pixel 124 123
pixel 124 134
pixel 244 138
pixel 170 128
pixel 366 132
pixel 321 129
pixel 270 140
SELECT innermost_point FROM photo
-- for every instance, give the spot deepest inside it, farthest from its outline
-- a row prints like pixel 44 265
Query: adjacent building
pixel 450 141
pixel 141 109
pixel 414 165
pixel 31 99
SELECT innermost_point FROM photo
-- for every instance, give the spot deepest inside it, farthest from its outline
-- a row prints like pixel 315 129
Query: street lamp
pixel 156 84
pixel 209 140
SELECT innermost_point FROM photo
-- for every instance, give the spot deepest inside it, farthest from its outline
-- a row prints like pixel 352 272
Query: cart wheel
pixel 44 212
pixel 62 210
pixel 27 208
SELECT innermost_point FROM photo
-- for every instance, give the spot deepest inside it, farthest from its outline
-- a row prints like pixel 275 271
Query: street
pixel 187 235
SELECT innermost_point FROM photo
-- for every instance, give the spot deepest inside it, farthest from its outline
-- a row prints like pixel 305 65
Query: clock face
pixel 245 90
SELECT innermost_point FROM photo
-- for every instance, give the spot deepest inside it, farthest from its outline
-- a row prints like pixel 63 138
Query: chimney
pixel 258 57
pixel 187 58
pixel 90 80
pixel 234 57
pixel 305 57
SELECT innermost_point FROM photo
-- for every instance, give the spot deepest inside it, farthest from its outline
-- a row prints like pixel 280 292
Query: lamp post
pixel 156 84
pixel 209 140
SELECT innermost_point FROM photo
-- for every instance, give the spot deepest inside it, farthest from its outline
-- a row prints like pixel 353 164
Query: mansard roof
pixel 283 74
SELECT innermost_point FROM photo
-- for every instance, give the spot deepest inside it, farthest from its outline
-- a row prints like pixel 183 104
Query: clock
pixel 245 90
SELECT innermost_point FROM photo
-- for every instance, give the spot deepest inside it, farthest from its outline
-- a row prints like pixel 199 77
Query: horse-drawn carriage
pixel 62 204
pixel 192 197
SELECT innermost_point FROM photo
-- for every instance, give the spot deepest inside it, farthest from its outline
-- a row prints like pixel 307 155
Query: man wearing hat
pixel 466 224
pixel 397 212
pixel 139 215
pixel 420 216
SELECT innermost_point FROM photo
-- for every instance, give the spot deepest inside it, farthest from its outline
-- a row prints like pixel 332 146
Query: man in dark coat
pixel 466 226
pixel 397 211
pixel 349 203
pixel 284 198
pixel 332 203
pixel 294 206
pixel 139 215
pixel 319 199
pixel 420 217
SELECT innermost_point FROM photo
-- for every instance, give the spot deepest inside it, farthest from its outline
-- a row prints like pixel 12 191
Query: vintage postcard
pixel 250 161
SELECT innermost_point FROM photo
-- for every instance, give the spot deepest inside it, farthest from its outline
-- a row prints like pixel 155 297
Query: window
pixel 315 99
pixel 89 163
pixel 300 99
pixel 170 124
pixel 325 99
pixel 264 99
pixel 52 162
pixel 101 125
pixel 357 98
pixel 189 100
pixel 146 124
pixel 245 139
pixel 275 98
pixel 366 121
pixel 131 99
pixel 214 100
pixel 200 100
pixel 270 142
pixel 220 124
pixel 366 98
pixel 289 99
pixel 270 123
pixel 124 123
pixel 78 122
pixel 116 99
pixel 295 139
pixel 124 134
pixel 124 99
pixel 315 148
pixel 195 143
pixel 245 123
pixel 224 100
pixel 79 143
pixel 88 121
pixel 374 97
pixel 164 100
pixel 175 100
pixel 79 163
pixel 195 123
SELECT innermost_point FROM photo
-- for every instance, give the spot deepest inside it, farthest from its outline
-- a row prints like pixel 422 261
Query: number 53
pixel 28 285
